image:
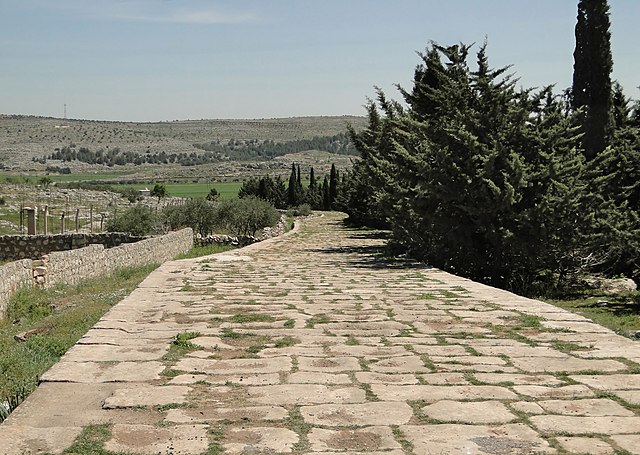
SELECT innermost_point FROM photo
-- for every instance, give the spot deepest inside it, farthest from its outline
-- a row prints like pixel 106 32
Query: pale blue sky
pixel 148 60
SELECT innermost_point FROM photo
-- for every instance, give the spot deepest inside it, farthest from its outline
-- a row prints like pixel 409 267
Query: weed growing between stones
pixel 296 423
pixel 286 341
pixel 91 441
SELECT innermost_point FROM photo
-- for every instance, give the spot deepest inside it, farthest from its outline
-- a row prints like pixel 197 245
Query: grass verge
pixel 51 321
pixel 205 250
pixel 620 313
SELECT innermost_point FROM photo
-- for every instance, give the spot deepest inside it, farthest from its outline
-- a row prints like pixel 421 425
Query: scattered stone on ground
pixel 313 342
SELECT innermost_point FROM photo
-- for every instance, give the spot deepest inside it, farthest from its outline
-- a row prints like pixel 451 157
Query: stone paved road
pixel 310 344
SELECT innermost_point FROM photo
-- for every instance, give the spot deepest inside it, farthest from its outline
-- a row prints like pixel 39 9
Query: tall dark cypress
pixel 292 193
pixel 312 179
pixel 593 63
pixel 333 185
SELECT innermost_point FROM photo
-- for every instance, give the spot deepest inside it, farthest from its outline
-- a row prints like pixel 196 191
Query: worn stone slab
pixel 146 396
pixel 538 391
pixel 528 407
pixel 405 364
pixel 463 439
pixel 99 372
pixel 589 446
pixel 583 425
pixel 569 364
pixel 610 381
pixel 214 413
pixel 24 439
pixel 328 364
pixel 588 407
pixel 314 377
pixel 630 443
pixel 518 379
pixel 630 396
pixel 367 377
pixel 365 414
pixel 109 353
pixel 301 394
pixel 433 393
pixel 146 439
pixel 259 440
pixel 478 412
pixel 365 439
pixel 234 366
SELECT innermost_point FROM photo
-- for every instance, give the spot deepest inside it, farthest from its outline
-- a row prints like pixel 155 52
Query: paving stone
pixel 477 412
pixel 538 391
pixel 146 396
pixel 234 366
pixel 518 379
pixel 328 364
pixel 630 396
pixel 610 381
pixel 108 353
pixel 432 393
pixel 453 350
pixel 527 407
pixel 588 407
pixel 583 425
pixel 365 439
pixel 146 439
pixel 590 446
pixel 237 379
pixel 630 443
pixel 405 364
pixel 454 438
pixel 21 439
pixel 334 415
pixel 248 440
pixel 301 394
pixel 367 377
pixel 368 351
pixel 215 413
pixel 306 377
pixel 568 364
pixel 99 372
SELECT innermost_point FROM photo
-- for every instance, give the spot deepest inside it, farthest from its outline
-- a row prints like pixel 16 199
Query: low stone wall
pixel 13 275
pixel 70 267
pixel 244 240
pixel 35 246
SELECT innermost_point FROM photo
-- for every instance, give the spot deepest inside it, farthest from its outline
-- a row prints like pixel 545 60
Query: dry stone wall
pixel 70 267
pixel 13 275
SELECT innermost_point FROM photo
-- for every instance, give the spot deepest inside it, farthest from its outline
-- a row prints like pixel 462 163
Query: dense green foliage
pixel 136 220
pixel 489 181
pixel 238 217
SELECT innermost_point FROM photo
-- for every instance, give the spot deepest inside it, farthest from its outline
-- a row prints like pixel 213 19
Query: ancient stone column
pixel 62 223
pixel 46 219
pixel 31 220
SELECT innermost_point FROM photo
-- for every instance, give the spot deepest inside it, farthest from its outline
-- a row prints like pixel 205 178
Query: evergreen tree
pixel 333 186
pixel 326 199
pixel 292 191
pixel 593 63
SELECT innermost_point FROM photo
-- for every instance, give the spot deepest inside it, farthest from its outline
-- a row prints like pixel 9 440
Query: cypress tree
pixel 312 179
pixel 326 199
pixel 333 185
pixel 593 63
pixel 292 193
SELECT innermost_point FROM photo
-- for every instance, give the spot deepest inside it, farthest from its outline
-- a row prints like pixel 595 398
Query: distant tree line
pixel 214 151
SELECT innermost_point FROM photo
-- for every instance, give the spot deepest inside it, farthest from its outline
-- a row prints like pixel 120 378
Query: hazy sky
pixel 147 60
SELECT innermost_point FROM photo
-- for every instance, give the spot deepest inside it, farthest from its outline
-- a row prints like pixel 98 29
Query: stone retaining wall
pixel 70 267
pixel 35 246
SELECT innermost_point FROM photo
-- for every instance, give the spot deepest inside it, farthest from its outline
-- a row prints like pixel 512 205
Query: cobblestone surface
pixel 314 343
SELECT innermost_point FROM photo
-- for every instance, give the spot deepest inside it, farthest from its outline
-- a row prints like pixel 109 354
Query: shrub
pixel 245 216
pixel 136 220
pixel 199 215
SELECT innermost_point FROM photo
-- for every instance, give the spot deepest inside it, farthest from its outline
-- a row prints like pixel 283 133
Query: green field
pixel 227 190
